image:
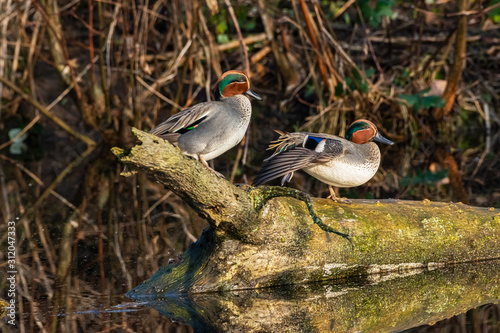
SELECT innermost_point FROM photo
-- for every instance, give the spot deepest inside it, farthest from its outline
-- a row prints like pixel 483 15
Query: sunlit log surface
pixel 254 241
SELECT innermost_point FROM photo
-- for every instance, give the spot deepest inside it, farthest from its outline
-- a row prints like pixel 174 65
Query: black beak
pixel 381 139
pixel 250 93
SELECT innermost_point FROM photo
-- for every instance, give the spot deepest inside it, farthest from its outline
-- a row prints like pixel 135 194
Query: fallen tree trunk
pixel 262 237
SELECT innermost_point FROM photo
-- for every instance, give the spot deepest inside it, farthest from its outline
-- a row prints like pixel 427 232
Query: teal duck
pixel 207 130
pixel 331 159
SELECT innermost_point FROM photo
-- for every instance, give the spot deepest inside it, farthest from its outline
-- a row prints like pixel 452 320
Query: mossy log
pixel 264 236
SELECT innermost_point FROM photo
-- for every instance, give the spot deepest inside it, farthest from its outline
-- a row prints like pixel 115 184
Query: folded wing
pixel 289 157
pixel 182 122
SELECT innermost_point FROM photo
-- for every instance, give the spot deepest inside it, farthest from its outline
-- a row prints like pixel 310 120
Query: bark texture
pixel 263 237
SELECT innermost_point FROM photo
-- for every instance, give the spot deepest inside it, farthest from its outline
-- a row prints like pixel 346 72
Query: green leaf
pixel 406 73
pixel 222 39
pixel 369 72
pixel 418 101
pixel 250 25
pixel 364 86
pixel 383 8
pixel 339 89
pixel 347 18
pixel 18 146
pixel 411 100
pixel 495 13
pixel 424 177
pixel 432 101
pixel 350 84
pixel 374 15
pixel 221 28
pixel 309 91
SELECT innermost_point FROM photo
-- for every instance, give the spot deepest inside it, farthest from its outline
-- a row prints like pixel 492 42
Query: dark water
pixel 395 302
pixel 464 298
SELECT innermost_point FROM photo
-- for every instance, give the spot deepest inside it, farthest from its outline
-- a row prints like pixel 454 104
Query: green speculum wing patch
pixel 191 126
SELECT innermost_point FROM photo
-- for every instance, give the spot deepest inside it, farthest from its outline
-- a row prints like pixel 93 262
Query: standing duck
pixel 333 160
pixel 207 130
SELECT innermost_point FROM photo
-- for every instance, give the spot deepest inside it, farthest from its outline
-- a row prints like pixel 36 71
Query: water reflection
pixel 421 302
pixel 375 304
pixel 485 318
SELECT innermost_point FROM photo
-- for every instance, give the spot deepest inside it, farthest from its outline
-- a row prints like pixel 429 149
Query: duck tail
pixel 284 165
pixel 285 142
pixel 170 137
pixel 286 178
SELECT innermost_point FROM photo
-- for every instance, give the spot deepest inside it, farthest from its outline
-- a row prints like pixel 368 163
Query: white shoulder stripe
pixel 321 146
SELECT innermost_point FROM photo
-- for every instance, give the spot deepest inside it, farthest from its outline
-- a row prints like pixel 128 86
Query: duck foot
pixel 333 196
pixel 218 174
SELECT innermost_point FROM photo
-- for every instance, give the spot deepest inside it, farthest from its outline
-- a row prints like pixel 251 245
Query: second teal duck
pixel 331 159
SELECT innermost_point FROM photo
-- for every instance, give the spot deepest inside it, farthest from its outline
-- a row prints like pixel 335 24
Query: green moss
pixel 3 305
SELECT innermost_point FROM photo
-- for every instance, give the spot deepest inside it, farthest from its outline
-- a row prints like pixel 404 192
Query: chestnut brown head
pixel 233 83
pixel 361 131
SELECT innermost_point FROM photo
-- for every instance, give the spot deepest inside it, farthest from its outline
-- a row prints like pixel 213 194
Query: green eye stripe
pixel 229 79
pixel 354 128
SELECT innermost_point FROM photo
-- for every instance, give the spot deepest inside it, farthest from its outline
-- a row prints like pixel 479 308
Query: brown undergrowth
pixel 75 76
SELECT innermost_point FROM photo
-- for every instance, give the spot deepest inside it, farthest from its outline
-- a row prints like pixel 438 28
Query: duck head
pixel 233 83
pixel 361 131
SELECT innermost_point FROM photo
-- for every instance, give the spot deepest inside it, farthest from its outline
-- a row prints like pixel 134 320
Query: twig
pixel 91 46
pixel 370 46
pixel 48 114
pixel 239 153
pixel 58 179
pixel 221 48
pixel 157 93
pixel 6 207
pixel 341 51
pixel 212 52
pixel 71 85
pixel 111 30
pixel 487 148
pixel 159 201
pixel 17 49
pixel 187 232
pixel 100 250
pixel 240 37
pixel 310 28
pixel 81 213
pixel 171 73
pixel 429 39
pixel 269 192
pixel 458 62
pixel 58 48
pixel 102 70
pixel 3 48
pixel 18 135
pixel 343 8
pixel 326 52
pixel 436 52
pixel 116 247
pixel 37 180
pixel 448 161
